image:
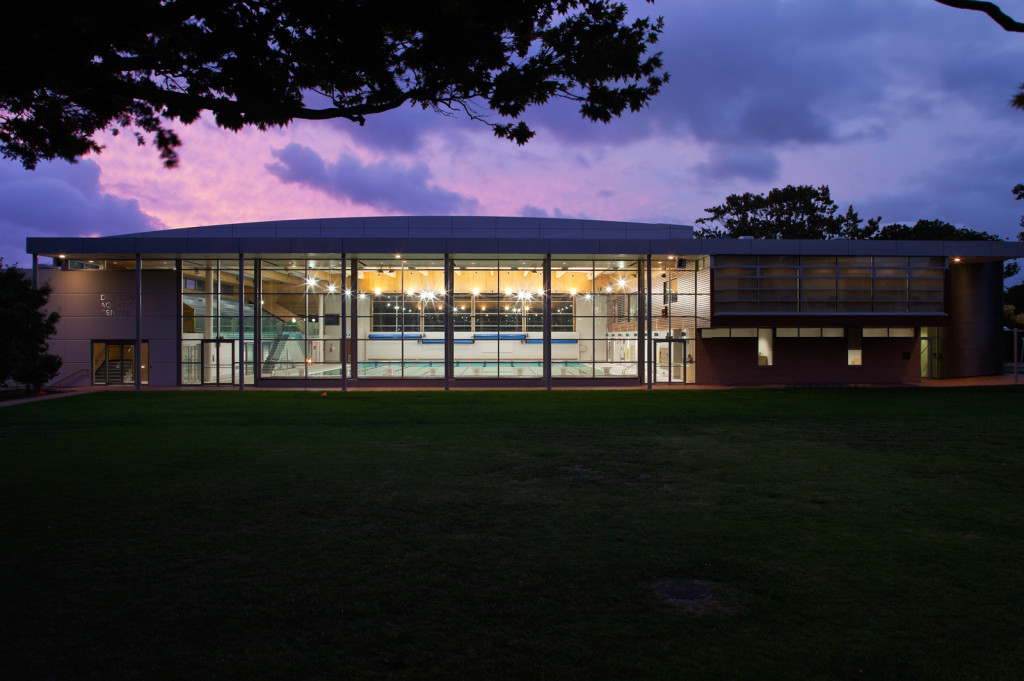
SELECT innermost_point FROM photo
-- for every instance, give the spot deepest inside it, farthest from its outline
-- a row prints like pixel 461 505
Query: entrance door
pixel 672 362
pixel 218 362
pixel 113 362
pixel 931 352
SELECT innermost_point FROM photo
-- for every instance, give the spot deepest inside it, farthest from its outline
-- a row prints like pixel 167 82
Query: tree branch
pixel 989 8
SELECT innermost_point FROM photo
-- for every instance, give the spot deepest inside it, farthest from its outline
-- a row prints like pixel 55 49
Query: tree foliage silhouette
pixel 139 65
pixel 24 329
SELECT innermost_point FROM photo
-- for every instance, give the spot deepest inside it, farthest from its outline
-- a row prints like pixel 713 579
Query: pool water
pixel 466 369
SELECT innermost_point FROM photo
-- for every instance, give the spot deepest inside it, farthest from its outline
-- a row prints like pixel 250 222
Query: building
pixel 450 301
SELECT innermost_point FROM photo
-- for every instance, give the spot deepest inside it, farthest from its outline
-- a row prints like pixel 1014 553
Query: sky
pixel 899 106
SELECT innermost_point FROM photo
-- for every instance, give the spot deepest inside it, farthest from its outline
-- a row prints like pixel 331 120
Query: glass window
pixel 765 356
pixel 853 348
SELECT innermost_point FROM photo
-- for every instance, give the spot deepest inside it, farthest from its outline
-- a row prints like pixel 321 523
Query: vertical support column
pixel 547 321
pixel 344 325
pixel 641 315
pixel 1016 355
pixel 178 321
pixel 449 325
pixel 241 321
pixel 257 321
pixel 649 363
pixel 355 318
pixel 138 321
pixel 35 271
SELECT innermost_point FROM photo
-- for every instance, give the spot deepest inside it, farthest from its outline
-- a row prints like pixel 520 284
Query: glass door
pixel 931 352
pixel 218 362
pixel 113 362
pixel 673 362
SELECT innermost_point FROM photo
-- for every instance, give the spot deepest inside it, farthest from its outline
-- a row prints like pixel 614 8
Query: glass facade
pixel 459 316
pixel 301 324
pixel 837 284
pixel 217 322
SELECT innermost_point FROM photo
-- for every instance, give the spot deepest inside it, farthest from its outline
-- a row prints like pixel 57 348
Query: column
pixel 257 321
pixel 138 321
pixel 649 340
pixel 241 322
pixel 344 324
pixel 547 321
pixel 449 325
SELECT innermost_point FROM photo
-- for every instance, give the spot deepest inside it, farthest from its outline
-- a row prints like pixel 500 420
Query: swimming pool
pixel 467 369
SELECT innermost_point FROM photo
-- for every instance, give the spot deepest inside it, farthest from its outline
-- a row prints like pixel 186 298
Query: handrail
pixel 68 378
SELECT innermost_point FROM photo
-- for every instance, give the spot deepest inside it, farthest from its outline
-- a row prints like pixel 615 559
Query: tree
pixel 24 328
pixel 801 212
pixel 1014 297
pixel 1007 22
pixel 933 230
pixel 807 212
pixel 141 64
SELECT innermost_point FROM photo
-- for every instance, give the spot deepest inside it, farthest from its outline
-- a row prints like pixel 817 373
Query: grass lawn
pixel 844 534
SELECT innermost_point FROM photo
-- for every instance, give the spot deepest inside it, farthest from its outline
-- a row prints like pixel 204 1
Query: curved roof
pixel 478 234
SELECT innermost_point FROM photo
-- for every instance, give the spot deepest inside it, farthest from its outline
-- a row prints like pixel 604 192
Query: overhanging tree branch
pixel 252 62
pixel 989 8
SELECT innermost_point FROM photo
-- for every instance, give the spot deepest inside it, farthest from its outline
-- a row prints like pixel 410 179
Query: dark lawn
pixel 845 534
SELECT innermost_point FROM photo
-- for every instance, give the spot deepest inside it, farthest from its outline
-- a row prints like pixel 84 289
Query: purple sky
pixel 900 106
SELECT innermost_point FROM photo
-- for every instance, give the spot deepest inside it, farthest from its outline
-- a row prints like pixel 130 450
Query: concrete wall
pixel 100 305
pixel 974 335
pixel 807 361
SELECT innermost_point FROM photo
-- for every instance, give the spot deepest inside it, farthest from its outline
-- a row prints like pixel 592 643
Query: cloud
pixel 529 211
pixel 383 186
pixel 61 199
pixel 747 163
pixel 804 72
pixel 973 190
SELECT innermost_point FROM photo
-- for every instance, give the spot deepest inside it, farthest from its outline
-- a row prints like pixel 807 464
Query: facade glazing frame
pixel 495 298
